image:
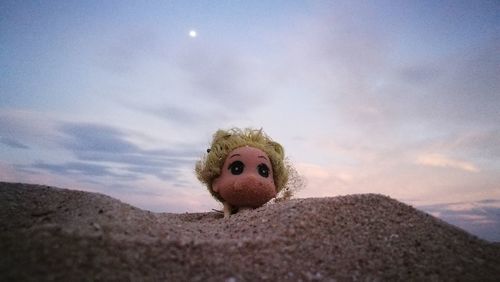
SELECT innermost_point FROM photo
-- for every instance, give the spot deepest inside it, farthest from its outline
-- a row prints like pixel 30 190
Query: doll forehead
pixel 247 151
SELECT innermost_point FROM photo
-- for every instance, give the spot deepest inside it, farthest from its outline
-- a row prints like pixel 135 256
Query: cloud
pixel 480 217
pixel 339 61
pixel 394 120
pixel 438 160
pixel 198 84
pixel 180 115
pixel 130 50
pixel 457 91
pixel 418 74
pixel 98 153
pixel 227 80
pixel 84 137
pixel 81 169
pixel 12 143
pixel 481 143
pixel 365 82
pixel 407 172
pixel 33 128
pixel 109 145
pixel 186 115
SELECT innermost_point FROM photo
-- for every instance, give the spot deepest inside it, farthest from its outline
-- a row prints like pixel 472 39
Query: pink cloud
pixel 438 160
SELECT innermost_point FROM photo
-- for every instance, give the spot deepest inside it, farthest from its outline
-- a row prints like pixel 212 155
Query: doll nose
pixel 249 191
pixel 246 182
pixel 252 182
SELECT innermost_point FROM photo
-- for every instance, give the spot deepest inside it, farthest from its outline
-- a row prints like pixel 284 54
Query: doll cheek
pixel 220 182
pixel 215 185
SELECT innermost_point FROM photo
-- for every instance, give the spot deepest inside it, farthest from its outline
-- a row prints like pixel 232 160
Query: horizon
pixel 122 98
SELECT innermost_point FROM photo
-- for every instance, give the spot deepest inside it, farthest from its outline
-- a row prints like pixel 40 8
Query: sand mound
pixel 56 234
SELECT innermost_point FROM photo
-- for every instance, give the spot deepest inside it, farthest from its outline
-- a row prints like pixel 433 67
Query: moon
pixel 193 33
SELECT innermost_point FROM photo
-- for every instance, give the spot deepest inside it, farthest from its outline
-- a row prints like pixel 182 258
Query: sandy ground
pixel 65 235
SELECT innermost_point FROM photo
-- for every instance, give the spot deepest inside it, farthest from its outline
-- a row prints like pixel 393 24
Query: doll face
pixel 246 178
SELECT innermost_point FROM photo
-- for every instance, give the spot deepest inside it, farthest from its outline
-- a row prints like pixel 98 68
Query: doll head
pixel 244 168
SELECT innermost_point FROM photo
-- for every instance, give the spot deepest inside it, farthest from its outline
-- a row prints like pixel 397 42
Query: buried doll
pixel 245 169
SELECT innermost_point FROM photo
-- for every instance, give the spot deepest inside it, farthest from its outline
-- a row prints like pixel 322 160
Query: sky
pixel 400 98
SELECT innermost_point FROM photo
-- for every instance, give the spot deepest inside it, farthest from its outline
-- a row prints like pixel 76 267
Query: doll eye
pixel 236 167
pixel 263 170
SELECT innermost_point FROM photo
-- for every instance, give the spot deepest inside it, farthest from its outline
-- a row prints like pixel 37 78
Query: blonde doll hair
pixel 224 141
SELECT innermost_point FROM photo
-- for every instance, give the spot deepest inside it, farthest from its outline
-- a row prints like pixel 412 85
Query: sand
pixel 52 234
